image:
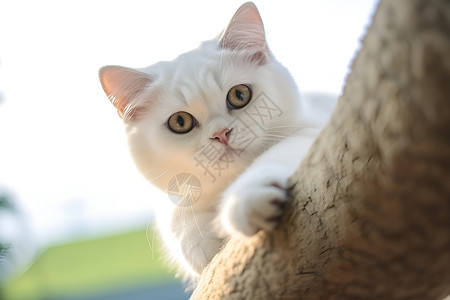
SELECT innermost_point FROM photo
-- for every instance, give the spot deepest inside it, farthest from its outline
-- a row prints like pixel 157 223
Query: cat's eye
pixel 239 96
pixel 181 122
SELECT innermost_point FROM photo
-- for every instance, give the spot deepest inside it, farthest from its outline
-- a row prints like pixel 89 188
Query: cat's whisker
pixel 275 125
pixel 196 223
pixel 182 221
pixel 271 142
pixel 282 135
pixel 159 175
pixel 268 144
pixel 287 126
pixel 183 210
pixel 145 173
pixel 285 131
pixel 189 196
pixel 150 243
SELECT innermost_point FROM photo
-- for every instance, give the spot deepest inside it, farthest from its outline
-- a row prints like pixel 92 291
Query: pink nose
pixel 222 136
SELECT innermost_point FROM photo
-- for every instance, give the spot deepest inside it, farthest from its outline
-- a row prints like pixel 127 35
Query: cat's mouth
pixel 233 150
pixel 228 150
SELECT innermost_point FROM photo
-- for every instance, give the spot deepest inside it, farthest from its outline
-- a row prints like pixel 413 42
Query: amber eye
pixel 239 96
pixel 181 122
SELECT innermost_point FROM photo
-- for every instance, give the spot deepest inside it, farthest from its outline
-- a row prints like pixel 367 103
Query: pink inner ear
pixel 122 85
pixel 260 58
pixel 245 30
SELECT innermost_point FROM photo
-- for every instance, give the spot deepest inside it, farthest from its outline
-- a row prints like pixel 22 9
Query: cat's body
pixel 226 114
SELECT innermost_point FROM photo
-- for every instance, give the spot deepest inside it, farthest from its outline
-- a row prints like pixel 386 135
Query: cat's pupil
pixel 239 95
pixel 180 121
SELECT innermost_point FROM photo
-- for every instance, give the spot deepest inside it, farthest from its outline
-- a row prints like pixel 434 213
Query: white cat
pixel 220 128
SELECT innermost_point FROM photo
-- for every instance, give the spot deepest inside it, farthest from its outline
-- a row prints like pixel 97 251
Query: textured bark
pixel 370 216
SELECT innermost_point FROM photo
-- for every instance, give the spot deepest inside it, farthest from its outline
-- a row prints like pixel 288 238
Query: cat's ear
pixel 246 32
pixel 122 86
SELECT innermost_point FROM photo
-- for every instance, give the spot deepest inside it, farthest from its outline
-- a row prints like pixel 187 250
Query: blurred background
pixel 75 215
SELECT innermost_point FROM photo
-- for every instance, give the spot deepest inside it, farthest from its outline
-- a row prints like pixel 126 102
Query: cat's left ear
pixel 246 32
pixel 122 86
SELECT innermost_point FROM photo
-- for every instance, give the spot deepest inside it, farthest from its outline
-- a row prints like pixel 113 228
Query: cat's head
pixel 211 111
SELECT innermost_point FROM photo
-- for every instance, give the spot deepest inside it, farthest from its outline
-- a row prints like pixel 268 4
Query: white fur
pixel 247 196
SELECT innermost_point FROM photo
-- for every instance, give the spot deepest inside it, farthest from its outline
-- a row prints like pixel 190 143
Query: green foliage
pixel 4 249
pixel 6 202
pixel 96 265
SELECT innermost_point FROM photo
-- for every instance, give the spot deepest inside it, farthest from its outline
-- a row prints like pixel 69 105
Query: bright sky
pixel 62 146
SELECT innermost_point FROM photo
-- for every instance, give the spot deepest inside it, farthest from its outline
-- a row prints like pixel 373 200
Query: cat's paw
pixel 256 200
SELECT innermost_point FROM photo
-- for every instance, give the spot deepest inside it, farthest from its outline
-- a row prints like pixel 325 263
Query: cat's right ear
pixel 246 32
pixel 122 86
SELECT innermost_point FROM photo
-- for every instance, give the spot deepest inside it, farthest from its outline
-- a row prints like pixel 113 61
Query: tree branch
pixel 370 216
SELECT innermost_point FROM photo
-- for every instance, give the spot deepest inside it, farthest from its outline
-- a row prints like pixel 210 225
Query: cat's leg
pixel 257 198
pixel 198 240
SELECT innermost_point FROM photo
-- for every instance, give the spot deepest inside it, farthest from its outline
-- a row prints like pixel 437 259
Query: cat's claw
pixel 256 200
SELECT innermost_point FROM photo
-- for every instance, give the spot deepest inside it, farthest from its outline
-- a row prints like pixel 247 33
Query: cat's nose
pixel 222 136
